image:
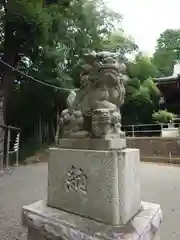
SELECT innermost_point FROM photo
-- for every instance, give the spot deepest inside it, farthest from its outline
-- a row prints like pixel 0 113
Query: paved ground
pixel 24 185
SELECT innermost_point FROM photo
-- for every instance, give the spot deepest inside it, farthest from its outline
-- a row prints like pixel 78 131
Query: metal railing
pixel 148 130
pixel 12 146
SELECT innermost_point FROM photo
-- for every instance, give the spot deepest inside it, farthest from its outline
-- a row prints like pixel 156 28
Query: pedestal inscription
pixel 76 180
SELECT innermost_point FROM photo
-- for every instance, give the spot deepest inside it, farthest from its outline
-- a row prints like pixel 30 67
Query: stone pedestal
pixel 92 144
pixel 45 223
pixel 97 184
pixel 93 194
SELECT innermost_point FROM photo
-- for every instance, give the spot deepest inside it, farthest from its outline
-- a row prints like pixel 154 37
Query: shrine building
pixel 170 90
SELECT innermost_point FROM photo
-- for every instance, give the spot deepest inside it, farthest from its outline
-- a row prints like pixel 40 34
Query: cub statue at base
pixel 94 112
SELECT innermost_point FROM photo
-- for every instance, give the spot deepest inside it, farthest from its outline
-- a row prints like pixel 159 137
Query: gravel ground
pixel 21 186
pixel 26 184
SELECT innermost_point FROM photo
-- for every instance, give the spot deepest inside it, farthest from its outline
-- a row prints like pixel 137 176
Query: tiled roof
pixel 170 79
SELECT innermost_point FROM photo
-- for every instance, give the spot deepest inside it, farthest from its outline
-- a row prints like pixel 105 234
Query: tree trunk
pixel 9 57
pixel 40 129
pixel 1 129
pixel 57 126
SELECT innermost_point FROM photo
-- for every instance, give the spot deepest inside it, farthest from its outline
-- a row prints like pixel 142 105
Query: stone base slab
pixel 101 185
pixel 45 223
pixel 92 144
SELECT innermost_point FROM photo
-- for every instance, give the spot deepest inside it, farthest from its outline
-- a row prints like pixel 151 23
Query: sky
pixel 145 20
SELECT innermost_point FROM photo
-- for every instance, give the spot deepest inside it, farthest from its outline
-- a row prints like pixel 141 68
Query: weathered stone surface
pixel 94 109
pixel 48 223
pixel 92 144
pixel 102 185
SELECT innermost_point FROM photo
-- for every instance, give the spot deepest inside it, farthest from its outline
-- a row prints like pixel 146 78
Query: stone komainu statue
pixel 94 111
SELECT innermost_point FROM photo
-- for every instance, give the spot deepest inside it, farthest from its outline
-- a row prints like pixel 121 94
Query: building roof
pixel 171 79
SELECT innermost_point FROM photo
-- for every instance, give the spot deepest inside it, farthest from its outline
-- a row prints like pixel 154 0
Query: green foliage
pixel 163 116
pixel 167 51
pixel 140 102
pixel 142 68
pixel 119 42
pixel 29 23
pixel 142 95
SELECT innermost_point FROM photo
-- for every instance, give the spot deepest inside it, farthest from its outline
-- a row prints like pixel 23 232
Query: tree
pixel 167 51
pixel 142 95
pixel 118 42
pixel 93 22
pixel 142 98
pixel 163 116
pixel 25 26
pixel 142 67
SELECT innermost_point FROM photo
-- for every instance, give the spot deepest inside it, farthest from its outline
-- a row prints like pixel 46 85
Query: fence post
pixel 1 163
pixel 161 129
pixel 16 148
pixel 2 153
pixel 8 147
pixel 133 131
pixel 170 157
